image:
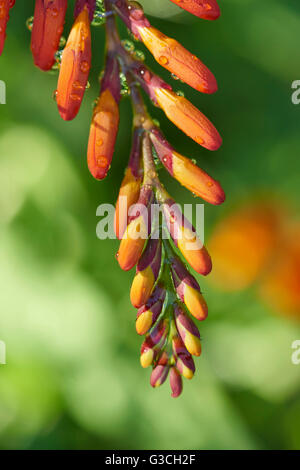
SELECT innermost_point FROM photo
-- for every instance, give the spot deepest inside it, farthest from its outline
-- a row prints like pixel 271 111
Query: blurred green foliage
pixel 73 378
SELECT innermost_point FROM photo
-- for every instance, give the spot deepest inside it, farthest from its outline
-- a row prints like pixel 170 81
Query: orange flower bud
pixel 188 118
pixel 146 273
pixel 186 172
pixel 137 231
pixel 132 243
pixel 149 313
pixel 188 331
pixel 128 196
pixel 75 67
pixel 103 134
pixel 207 9
pixel 174 57
pixel 188 290
pixel 194 251
pixel 5 6
pixel 197 180
pixel 185 238
pixel 49 18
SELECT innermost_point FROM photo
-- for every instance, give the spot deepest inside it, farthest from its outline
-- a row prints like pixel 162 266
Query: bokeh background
pixel 72 378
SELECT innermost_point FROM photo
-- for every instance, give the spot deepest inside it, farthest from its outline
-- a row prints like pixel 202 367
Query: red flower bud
pixel 48 24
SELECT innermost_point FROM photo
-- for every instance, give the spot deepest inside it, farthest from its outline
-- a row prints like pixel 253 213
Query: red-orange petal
pixel 188 118
pixel 128 195
pixel 48 23
pixel 103 134
pixel 174 57
pixel 206 9
pixel 75 67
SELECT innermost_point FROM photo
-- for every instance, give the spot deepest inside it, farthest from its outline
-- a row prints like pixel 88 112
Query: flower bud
pixel 185 238
pixel 188 290
pixel 75 67
pixel 146 273
pixel 48 24
pixel 175 382
pixel 159 375
pixel 186 366
pixel 149 313
pixel 188 118
pixel 174 57
pixel 137 231
pixel 154 343
pixel 186 172
pixel 130 186
pixel 188 331
pixel 206 9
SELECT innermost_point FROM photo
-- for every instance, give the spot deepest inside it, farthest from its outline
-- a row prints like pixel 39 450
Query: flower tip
pixel 103 134
pixel 75 67
pixel 141 287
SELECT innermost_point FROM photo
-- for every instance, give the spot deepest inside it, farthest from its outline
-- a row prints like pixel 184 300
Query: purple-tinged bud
pixel 80 4
pixel 186 366
pixel 188 331
pixel 146 273
pixel 149 313
pixel 175 382
pixel 137 231
pixel 185 238
pixel 188 289
pixel 133 16
pixel 159 375
pixel 154 343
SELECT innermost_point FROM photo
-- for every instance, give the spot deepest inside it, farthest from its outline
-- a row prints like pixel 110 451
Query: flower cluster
pixel 163 290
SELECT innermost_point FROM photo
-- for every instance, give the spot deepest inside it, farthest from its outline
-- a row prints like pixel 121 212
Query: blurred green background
pixel 72 378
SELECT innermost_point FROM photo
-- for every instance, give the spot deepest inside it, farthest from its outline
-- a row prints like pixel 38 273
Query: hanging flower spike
pixel 105 121
pixel 48 23
pixel 137 231
pixel 130 186
pixel 186 172
pixel 163 289
pixel 75 66
pixel 188 289
pixel 5 6
pixel 206 9
pixel 146 273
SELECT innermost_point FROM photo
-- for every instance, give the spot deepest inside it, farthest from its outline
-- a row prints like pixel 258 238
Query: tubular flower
pixel 186 172
pixel 149 224
pixel 105 122
pixel 5 6
pixel 75 67
pixel 48 25
pixel 175 58
pixel 130 187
